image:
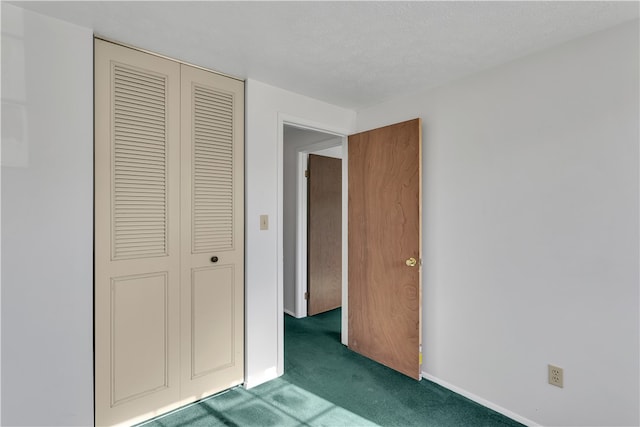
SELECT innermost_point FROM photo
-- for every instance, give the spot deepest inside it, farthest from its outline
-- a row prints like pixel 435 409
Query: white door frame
pixel 286 119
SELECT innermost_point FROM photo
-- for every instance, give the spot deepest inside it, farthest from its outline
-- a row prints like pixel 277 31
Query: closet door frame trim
pixel 119 43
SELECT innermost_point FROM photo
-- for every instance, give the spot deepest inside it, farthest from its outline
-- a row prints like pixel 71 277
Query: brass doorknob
pixel 411 262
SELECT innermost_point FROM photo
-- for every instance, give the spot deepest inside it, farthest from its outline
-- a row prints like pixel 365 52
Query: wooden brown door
pixel 385 245
pixel 325 234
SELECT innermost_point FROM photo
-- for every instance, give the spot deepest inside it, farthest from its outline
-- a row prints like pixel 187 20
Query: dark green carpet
pixel 325 384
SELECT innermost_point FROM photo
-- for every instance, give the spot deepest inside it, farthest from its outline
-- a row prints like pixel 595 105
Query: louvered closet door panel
pixel 212 298
pixel 139 164
pixel 137 240
pixel 212 162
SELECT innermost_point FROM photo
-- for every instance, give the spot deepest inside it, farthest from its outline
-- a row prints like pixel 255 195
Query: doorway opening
pixel 385 164
pixel 299 143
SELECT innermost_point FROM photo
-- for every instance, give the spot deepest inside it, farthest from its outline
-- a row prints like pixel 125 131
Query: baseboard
pixel 480 400
pixel 255 380
pixel 293 314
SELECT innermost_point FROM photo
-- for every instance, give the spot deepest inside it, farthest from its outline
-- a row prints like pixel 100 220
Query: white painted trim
pixel 301 237
pixel 290 313
pixel 280 247
pixel 303 124
pixel 344 337
pixel 480 400
pixel 10 13
pixel 263 377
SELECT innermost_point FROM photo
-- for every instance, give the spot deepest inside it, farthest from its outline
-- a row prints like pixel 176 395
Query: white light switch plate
pixel 264 222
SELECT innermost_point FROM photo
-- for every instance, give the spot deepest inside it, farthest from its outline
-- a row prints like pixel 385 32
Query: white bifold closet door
pixel 212 232
pixel 168 234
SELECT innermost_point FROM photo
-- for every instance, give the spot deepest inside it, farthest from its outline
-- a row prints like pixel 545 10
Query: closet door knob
pixel 214 259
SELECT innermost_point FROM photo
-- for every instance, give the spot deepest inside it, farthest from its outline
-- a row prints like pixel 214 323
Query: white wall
pixel 531 226
pixel 47 221
pixel 531 230
pixel 335 152
pixel 268 108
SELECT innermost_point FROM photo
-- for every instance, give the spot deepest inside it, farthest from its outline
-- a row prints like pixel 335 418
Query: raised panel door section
pixel 139 343
pixel 212 263
pixel 212 305
pixel 137 240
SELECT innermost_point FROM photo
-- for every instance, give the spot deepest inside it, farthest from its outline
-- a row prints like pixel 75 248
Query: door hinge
pixel 306 173
pixel 306 295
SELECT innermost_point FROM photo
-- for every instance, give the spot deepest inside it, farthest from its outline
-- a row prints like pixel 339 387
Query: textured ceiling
pixel 352 54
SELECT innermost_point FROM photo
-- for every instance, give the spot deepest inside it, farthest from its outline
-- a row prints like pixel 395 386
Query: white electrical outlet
pixel 556 376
